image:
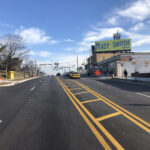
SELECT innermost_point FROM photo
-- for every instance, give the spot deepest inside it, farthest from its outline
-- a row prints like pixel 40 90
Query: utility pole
pixel 6 71
pixel 77 63
pixel 90 61
pixel 35 68
pixel 69 67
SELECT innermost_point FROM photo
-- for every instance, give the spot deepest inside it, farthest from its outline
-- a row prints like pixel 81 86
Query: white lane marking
pixel 32 88
pixel 1 121
pixel 143 94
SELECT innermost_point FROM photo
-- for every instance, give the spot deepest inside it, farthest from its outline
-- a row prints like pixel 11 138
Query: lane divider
pixel 108 116
pixel 81 93
pixel 143 95
pixel 74 85
pixel 92 100
pixel 119 109
pixel 75 88
pixel 94 130
pixel 99 125
pixel 32 88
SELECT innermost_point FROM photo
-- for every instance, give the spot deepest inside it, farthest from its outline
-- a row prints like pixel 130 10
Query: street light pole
pixel 69 67
pixel 6 71
pixel 90 61
pixel 90 65
pixel 35 68
pixel 77 63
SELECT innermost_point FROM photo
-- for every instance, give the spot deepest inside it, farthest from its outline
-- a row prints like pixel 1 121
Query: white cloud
pixel 69 40
pixel 113 20
pixel 138 26
pixel 45 54
pixel 32 53
pixel 142 41
pixel 35 36
pixel 102 33
pixel 107 33
pixel 69 49
pixel 99 34
pixel 7 25
pixel 139 10
pixel 138 39
pixel 65 59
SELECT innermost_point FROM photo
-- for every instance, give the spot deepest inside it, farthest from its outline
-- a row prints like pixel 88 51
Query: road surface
pixel 50 113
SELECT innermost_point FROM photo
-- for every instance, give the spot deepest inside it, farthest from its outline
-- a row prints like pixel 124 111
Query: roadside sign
pixel 1 79
pixel 97 73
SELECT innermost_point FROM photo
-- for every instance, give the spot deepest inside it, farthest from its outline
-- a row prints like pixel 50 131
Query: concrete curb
pixel 132 80
pixel 124 80
pixel 17 82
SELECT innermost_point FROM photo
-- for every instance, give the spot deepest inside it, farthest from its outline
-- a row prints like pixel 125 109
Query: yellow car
pixel 74 75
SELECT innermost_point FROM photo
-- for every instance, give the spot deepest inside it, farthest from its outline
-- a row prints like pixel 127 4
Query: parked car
pixel 74 75
pixel 58 74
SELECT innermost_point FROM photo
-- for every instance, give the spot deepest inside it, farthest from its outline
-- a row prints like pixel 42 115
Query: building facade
pixel 136 64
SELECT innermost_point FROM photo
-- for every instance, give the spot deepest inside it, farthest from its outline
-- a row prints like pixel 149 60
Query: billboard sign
pixel 113 45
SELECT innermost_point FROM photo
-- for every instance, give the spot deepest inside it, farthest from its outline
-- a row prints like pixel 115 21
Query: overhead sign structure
pixel 113 45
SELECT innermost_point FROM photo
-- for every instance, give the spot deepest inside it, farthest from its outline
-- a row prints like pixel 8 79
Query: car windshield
pixel 74 72
pixel 75 75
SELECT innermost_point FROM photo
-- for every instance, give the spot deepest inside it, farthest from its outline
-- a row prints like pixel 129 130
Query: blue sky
pixel 59 30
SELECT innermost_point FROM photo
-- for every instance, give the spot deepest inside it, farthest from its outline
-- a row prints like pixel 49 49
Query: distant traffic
pixel 71 75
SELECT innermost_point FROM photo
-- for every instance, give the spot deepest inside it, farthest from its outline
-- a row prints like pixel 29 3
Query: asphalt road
pixel 50 113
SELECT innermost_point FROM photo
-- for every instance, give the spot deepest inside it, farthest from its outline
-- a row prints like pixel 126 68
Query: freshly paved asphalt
pixel 38 115
pixel 126 95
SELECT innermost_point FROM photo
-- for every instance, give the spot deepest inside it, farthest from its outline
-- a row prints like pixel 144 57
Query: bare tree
pixel 29 67
pixel 2 48
pixel 13 52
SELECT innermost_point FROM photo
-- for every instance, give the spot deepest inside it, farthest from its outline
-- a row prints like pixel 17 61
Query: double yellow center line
pixel 85 112
pixel 100 138
pixel 135 119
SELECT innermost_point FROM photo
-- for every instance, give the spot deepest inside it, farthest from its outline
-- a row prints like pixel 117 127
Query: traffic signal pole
pixel 77 63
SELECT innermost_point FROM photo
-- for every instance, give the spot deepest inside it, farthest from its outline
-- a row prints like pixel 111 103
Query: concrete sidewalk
pixel 14 82
pixel 129 79
pixel 123 78
pixel 135 79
